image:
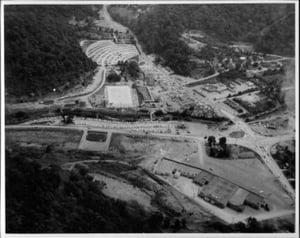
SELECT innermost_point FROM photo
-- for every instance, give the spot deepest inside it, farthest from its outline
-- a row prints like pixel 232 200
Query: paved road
pixel 97 84
pixel 202 79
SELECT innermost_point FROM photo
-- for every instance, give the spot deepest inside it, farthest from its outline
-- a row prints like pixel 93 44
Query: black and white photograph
pixel 150 118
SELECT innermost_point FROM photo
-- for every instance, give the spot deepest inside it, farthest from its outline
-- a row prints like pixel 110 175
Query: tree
pixel 177 224
pixel 222 142
pixel 211 141
pixel 67 117
pixel 253 225
pixel 112 78
pixel 183 222
pixel 133 69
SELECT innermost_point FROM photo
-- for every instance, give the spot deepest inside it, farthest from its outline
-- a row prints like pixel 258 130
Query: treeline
pixel 42 51
pixel 159 29
pixel 252 226
pixel 51 200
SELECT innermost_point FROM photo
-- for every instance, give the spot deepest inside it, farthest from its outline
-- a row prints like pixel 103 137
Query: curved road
pixel 96 85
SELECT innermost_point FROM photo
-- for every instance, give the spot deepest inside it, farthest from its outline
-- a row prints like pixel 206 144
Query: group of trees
pixel 251 226
pixel 273 91
pixel 49 199
pixel 285 157
pixel 218 150
pixel 42 51
pixel 113 78
pixel 129 67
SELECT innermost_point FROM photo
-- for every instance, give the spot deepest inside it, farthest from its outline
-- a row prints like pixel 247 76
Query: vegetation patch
pixel 237 134
pixel 284 155
pixel 44 137
pixel 96 136
pixel 228 152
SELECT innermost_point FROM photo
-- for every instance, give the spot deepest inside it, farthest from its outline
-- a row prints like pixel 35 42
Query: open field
pixel 251 98
pixel 119 96
pixel 274 126
pixel 124 191
pixel 42 137
pixel 154 148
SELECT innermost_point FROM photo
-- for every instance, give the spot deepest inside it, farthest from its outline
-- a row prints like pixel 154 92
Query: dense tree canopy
pixel 42 51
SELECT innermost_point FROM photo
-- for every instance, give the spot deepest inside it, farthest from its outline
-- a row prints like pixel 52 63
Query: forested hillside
pixel 270 28
pixel 42 51
pixel 51 200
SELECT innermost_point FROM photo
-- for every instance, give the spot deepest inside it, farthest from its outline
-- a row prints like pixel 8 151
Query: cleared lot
pixel 124 191
pixel 154 148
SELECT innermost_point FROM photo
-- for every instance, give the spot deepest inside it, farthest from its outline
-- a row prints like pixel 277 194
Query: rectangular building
pixel 237 200
pixel 218 191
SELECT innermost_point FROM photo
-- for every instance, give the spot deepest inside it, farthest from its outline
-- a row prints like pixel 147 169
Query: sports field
pixel 118 96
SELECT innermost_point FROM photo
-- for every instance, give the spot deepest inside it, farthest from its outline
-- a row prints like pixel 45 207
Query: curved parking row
pixel 106 52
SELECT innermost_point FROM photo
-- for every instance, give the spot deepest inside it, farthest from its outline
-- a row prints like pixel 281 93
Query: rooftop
pixel 239 197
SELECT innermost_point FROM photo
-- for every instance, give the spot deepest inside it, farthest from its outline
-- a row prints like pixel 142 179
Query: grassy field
pixel 43 137
pixel 237 134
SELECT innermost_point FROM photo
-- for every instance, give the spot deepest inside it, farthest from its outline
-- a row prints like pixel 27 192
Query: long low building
pixel 213 188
